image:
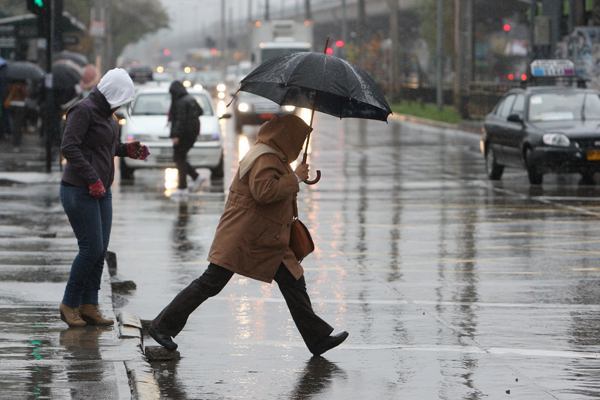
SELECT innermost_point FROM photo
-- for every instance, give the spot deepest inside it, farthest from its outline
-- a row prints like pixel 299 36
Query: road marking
pixel 474 350
pixel 417 303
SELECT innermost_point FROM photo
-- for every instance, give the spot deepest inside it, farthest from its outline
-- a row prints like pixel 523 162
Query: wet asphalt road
pixel 451 286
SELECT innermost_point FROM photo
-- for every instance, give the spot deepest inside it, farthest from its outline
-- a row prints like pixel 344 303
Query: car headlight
pixel 198 86
pixel 556 139
pixel 243 107
pixel 221 87
pixel 187 84
pixel 289 108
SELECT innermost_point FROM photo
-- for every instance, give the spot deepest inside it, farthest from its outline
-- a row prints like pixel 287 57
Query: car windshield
pixel 209 77
pixel 545 107
pixel 159 104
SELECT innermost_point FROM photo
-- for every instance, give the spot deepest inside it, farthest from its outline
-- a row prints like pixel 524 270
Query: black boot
pixel 329 343
pixel 162 338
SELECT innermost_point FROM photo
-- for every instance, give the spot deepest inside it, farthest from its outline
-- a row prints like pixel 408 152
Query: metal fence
pixel 482 98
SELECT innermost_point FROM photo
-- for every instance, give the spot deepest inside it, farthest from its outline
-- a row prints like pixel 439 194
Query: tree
pixel 131 20
pixel 428 17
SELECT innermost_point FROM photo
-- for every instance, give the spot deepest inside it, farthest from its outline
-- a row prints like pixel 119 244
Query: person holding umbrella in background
pixel 253 238
pixel 89 145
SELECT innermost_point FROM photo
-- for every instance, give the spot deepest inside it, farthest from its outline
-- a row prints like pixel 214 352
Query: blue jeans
pixel 91 220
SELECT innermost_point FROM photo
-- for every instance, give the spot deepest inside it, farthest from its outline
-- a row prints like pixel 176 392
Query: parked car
pixel 148 124
pixel 250 109
pixel 544 129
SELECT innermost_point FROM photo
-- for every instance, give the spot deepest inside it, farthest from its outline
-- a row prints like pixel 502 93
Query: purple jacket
pixel 90 142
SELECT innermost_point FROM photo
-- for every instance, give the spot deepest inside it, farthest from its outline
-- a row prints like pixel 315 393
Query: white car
pixel 148 124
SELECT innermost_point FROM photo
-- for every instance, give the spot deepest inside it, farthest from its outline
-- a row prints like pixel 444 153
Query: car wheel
pixel 238 126
pixel 493 169
pixel 126 172
pixel 218 172
pixel 587 178
pixel 535 178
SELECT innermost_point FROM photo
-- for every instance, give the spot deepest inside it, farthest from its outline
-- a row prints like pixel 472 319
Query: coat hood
pixel 285 133
pixel 117 87
pixel 177 90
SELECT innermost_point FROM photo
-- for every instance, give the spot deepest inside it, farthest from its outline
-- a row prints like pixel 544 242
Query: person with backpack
pixel 185 128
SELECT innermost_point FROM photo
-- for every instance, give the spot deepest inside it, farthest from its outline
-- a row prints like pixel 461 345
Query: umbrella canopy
pixel 78 58
pixel 344 89
pixel 64 77
pixel 23 70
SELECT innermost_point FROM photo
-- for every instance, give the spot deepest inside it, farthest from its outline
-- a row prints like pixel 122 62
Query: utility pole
pixel 307 14
pixel 362 22
pixel 463 43
pixel 395 84
pixel 344 29
pixel 223 38
pixel 267 10
pixel 440 64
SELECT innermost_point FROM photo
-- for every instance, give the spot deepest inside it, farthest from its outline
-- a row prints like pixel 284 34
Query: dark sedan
pixel 250 109
pixel 544 130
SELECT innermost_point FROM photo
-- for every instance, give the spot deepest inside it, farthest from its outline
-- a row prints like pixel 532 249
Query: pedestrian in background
pixel 253 237
pixel 184 116
pixel 4 119
pixel 15 104
pixel 89 145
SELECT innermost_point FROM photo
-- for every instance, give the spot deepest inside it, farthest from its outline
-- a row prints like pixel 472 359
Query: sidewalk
pixel 42 358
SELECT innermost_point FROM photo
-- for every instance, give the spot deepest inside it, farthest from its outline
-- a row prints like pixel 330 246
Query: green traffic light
pixel 39 3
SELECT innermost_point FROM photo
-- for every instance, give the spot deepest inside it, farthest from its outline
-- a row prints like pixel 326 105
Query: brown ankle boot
pixel 93 316
pixel 71 315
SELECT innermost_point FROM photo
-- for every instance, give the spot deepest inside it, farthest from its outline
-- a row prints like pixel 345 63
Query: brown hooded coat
pixel 253 235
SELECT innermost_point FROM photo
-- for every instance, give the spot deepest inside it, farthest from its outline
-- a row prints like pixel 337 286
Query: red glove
pixel 97 189
pixel 137 151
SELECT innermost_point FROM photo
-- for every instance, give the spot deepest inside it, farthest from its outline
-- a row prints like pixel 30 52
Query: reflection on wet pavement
pixel 451 286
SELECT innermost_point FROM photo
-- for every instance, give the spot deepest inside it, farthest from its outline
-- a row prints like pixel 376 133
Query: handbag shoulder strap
pixel 295 204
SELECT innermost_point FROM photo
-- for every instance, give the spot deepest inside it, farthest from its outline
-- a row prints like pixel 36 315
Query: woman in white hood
pixel 90 143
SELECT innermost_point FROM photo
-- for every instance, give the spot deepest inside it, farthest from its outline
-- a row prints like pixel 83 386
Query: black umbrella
pixel 78 58
pixel 320 82
pixel 23 70
pixel 64 77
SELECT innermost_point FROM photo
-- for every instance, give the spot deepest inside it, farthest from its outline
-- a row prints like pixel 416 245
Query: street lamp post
pixel 439 82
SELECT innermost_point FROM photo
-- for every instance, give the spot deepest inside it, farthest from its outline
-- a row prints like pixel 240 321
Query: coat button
pixel 288 225
pixel 277 237
pixel 281 252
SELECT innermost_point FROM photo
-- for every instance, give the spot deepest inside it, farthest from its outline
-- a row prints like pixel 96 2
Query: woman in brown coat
pixel 253 236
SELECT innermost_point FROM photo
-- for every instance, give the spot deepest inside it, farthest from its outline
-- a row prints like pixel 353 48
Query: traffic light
pixel 38 7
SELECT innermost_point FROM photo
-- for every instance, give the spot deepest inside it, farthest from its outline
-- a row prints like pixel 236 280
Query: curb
pixel 473 127
pixel 138 372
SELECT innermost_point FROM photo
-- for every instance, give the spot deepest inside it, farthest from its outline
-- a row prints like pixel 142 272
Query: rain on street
pixel 451 286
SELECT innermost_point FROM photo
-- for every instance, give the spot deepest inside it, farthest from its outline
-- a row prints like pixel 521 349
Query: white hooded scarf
pixel 117 87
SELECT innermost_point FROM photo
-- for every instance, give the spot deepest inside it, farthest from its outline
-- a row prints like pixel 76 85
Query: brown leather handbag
pixel 300 241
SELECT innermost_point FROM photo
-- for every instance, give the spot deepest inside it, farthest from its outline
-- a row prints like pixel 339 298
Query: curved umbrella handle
pixel 317 179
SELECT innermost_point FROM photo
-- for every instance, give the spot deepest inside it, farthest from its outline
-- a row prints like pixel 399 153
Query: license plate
pixel 593 155
pixel 166 152
pixel 267 116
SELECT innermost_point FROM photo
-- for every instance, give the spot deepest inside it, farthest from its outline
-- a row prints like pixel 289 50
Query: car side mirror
pixel 515 118
pixel 225 116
